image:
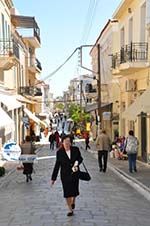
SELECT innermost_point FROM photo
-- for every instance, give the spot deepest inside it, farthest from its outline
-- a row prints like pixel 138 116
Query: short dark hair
pixel 65 137
pixel 131 132
pixel 28 138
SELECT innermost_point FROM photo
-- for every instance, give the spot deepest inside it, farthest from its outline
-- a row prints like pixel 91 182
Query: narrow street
pixel 104 201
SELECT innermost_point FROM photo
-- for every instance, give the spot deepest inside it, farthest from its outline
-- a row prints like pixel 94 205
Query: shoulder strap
pixel 84 167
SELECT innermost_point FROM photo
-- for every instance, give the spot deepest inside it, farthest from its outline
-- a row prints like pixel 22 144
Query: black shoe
pixel 100 170
pixel 104 171
pixel 73 206
pixel 135 170
pixel 30 177
pixel 27 179
pixel 70 214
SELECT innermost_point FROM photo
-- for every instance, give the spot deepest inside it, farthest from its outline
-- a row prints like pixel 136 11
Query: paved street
pixel 104 201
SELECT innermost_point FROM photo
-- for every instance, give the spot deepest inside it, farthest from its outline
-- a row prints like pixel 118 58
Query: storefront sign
pixel 107 115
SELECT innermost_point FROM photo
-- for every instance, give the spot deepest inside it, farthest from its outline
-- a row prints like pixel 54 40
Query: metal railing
pixel 134 52
pixel 37 35
pixel 30 90
pixel 9 48
pixel 34 62
pixel 38 64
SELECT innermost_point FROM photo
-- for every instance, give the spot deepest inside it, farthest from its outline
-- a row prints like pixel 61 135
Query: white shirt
pixel 68 153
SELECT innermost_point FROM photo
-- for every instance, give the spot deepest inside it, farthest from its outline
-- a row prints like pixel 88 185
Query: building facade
pixel 108 86
pixel 130 64
pixel 18 73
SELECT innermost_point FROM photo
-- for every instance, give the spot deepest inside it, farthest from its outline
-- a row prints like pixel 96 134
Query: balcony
pixel 29 29
pixel 130 59
pixel 34 65
pixel 30 91
pixel 9 53
pixel 89 88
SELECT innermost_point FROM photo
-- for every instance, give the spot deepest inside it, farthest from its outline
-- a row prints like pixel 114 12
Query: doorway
pixel 144 136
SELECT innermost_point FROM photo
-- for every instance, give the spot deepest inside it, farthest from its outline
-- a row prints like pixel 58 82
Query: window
pixel 122 39
pixel 3 27
pixel 130 30
pixel 1 76
pixel 143 23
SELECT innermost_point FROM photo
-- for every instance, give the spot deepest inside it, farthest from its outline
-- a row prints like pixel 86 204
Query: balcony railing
pixel 30 90
pixel 89 88
pixel 34 62
pixel 38 64
pixel 9 48
pixel 134 52
pixel 26 23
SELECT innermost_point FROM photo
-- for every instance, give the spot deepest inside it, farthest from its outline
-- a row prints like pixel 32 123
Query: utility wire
pixel 87 20
pixel 57 69
pixel 90 18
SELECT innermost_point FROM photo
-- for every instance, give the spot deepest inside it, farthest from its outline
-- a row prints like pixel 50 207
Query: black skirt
pixel 28 168
pixel 70 187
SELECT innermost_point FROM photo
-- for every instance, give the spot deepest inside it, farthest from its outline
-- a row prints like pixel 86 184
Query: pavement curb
pixel 137 185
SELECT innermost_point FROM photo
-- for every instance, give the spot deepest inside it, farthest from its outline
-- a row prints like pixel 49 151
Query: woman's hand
pixel 75 169
pixel 52 182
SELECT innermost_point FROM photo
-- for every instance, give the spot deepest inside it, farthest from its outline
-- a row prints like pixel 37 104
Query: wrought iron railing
pixel 34 62
pixel 134 52
pixel 37 35
pixel 9 48
pixel 38 64
pixel 30 90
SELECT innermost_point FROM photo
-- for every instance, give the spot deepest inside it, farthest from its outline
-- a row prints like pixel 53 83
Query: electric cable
pixel 57 69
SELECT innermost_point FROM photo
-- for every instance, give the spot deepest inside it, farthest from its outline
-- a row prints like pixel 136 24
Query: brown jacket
pixel 27 148
pixel 103 142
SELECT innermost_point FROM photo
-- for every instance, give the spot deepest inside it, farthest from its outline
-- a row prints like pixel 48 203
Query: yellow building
pixel 10 54
pixel 130 65
pixel 18 73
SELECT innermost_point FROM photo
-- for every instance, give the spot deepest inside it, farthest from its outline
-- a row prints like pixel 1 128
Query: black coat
pixel 70 181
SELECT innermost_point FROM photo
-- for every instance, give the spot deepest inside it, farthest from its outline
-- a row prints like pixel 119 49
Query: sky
pixel 64 26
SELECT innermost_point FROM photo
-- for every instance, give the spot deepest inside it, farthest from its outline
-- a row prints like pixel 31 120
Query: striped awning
pixel 6 122
pixel 10 101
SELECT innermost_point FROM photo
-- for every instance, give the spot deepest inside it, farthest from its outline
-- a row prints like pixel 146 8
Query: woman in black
pixel 68 159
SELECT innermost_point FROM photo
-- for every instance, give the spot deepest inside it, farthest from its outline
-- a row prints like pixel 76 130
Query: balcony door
pixel 143 23
pixel 130 30
pixel 144 136
pixel 122 37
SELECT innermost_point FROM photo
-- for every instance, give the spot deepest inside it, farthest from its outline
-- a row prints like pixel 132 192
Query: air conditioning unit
pixel 130 85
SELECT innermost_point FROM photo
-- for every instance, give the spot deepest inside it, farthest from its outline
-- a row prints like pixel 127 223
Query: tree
pixel 59 106
pixel 79 116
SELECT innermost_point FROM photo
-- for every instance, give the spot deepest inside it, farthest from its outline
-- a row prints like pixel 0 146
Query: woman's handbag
pixel 84 175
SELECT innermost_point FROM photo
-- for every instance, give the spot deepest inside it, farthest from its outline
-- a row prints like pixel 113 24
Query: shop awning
pixel 141 104
pixel 6 122
pixel 33 117
pixel 23 99
pixel 10 101
pixel 94 106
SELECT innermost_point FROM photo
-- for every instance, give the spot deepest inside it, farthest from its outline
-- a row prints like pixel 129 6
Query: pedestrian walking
pixel 131 147
pixel 87 141
pixel 28 148
pixel 52 140
pixel 68 159
pixel 57 138
pixel 103 146
pixel 72 137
